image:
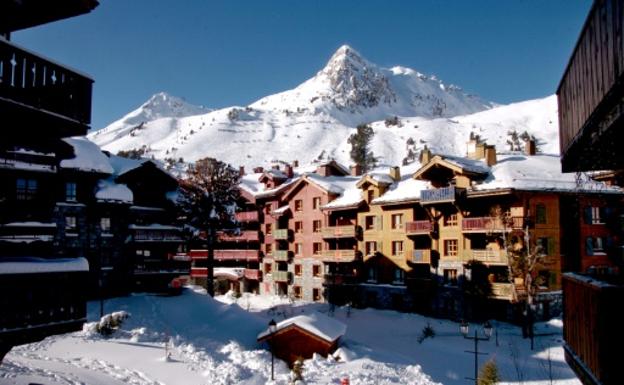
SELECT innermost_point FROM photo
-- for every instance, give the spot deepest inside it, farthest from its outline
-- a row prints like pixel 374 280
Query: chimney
pixel 425 155
pixel 322 170
pixel 355 170
pixel 258 170
pixel 289 171
pixel 295 163
pixel 395 173
pixel 241 171
pixel 529 147
pixel 490 155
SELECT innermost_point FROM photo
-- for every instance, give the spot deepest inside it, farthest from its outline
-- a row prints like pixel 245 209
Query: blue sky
pixel 222 53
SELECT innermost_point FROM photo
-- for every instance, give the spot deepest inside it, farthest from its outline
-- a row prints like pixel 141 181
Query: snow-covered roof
pixel 538 173
pixel 25 265
pixel 406 190
pixel 274 173
pixel 316 323
pixel 252 185
pixel 122 165
pixel 29 224
pixel 280 210
pixel 109 191
pixel 87 157
pixel 154 226
pixel 467 164
pixel 234 272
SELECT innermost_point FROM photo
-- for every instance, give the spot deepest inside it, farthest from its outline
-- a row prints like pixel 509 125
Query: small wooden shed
pixel 304 335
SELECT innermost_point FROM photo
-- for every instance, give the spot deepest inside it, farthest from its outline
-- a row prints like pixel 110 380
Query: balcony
pixel 488 257
pixel 281 234
pixel 156 236
pixel 247 216
pixel 590 93
pixel 243 236
pixel 490 224
pixel 237 255
pixel 502 291
pixel 281 276
pixel 338 255
pixel 281 255
pixel 440 195
pixel 421 256
pixel 44 95
pixel 592 328
pixel 418 227
pixel 252 274
pixel 347 231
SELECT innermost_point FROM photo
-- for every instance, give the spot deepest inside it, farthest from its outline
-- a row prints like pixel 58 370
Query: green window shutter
pixel 552 278
pixel 550 246
pixel 589 246
pixel 587 215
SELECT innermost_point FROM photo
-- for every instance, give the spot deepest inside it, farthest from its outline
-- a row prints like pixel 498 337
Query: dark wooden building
pixel 591 119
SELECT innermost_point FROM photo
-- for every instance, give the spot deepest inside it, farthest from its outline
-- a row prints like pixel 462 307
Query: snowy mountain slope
pixel 315 119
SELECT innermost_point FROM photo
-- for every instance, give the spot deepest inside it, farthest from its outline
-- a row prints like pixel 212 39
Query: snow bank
pixel 28 265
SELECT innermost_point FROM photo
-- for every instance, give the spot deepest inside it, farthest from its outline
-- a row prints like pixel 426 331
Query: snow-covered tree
pixel 207 201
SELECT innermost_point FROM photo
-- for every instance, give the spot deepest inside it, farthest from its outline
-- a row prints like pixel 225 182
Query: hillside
pixel 315 119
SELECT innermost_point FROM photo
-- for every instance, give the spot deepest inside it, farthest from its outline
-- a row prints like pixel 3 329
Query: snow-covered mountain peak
pixel 164 105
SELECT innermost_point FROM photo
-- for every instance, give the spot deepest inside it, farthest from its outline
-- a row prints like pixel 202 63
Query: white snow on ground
pixel 214 342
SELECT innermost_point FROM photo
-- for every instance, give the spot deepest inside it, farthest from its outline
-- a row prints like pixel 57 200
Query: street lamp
pixel 487 331
pixel 272 329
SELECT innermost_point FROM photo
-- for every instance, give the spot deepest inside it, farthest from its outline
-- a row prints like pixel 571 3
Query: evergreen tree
pixel 489 373
pixel 207 201
pixel 360 142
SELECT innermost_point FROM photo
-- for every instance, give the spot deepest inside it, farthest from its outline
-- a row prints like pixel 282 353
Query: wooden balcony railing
pixel 156 236
pixel 491 257
pixel 421 256
pixel 247 216
pixel 338 255
pixel 27 79
pixel 339 279
pixel 590 91
pixel 490 224
pixel 281 234
pixel 418 227
pixel 243 236
pixel 439 195
pixel 346 231
pixel 281 255
pixel 253 274
pixel 281 276
pixel 240 255
pixel 592 328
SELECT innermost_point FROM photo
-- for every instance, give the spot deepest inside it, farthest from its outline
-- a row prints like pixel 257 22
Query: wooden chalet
pixel 303 336
pixel 591 117
pixel 41 102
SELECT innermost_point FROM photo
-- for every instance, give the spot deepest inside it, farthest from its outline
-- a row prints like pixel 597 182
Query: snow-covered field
pixel 214 342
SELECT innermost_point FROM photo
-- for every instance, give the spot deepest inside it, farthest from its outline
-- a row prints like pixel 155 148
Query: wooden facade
pixel 590 93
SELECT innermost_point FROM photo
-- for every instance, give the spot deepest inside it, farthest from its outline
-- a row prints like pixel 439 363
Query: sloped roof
pixel 456 164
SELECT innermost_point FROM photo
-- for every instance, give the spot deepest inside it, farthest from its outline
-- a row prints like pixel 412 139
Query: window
pixel 25 189
pixel 596 217
pixel 371 195
pixel 298 227
pixel 316 294
pixel 369 222
pixel 399 275
pixel 298 205
pixel 596 245
pixel 397 221
pixel 268 229
pixel 105 224
pixel 450 276
pixel 450 220
pixel 316 226
pixel 540 213
pixel 397 247
pixel 316 203
pixel 298 270
pixel 269 248
pixel 70 223
pixel 267 208
pixel 317 247
pixel 450 247
pixel 144 253
pixel 70 191
pixel 316 270
pixel 371 247
pixel 268 268
pixel 299 248
pixel 297 292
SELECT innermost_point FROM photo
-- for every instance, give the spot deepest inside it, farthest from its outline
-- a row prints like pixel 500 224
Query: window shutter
pixel 609 242
pixel 552 278
pixel 550 247
pixel 587 215
pixel 379 222
pixel 605 212
pixel 589 246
